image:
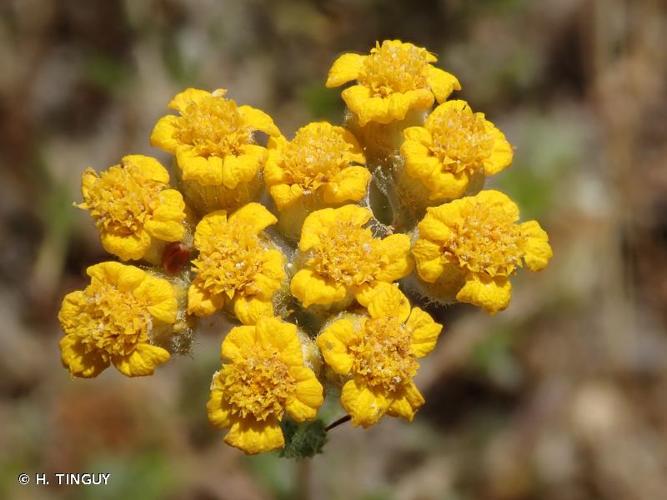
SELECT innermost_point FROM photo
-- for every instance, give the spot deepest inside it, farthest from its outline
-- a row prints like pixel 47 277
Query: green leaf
pixel 303 440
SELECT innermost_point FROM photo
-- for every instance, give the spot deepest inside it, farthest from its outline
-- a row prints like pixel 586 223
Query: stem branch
pixel 338 422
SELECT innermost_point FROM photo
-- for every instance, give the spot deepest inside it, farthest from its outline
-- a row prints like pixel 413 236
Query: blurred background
pixel 563 396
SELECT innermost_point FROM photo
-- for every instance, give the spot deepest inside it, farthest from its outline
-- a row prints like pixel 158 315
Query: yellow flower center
pixel 315 156
pixel 229 261
pixel 460 140
pixel 213 127
pixel 122 200
pixel 347 255
pixel 393 68
pixel 382 355
pixel 258 386
pixel 485 239
pixel 112 321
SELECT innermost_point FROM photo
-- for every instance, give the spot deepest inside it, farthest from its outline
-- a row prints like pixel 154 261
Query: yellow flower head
pixel 393 79
pixel 470 248
pixel 114 319
pixel 378 353
pixel 341 259
pixel 213 141
pixel 322 159
pixel 453 148
pixel 263 377
pixel 133 206
pixel 237 264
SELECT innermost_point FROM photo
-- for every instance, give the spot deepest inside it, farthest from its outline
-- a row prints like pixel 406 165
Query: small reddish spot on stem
pixel 175 256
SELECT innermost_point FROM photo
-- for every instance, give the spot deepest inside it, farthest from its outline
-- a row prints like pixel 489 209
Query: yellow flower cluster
pixel 322 166
pixel 469 248
pixel 452 152
pixel 392 80
pixel 377 351
pixel 263 377
pixel 237 263
pixel 315 254
pixel 115 319
pixel 340 259
pixel 133 207
pixel 212 138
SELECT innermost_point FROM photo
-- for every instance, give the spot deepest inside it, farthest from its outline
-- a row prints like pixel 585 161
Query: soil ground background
pixel 561 397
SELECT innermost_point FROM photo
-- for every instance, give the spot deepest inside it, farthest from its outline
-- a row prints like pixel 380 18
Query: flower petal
pixel 258 120
pixel 354 214
pixel 125 277
pixel 79 362
pixel 442 84
pixel 130 247
pixel 285 195
pixel 273 172
pixel 167 223
pixel 308 396
pixel 407 402
pixel 316 225
pixel 418 135
pixel 161 297
pixel 355 153
pixel 537 251
pixel 311 288
pixel 492 295
pixel 428 258
pixel 183 99
pixel 238 341
pixel 209 226
pixel 218 410
pixel 433 229
pixel 447 185
pixel 350 184
pixel 254 437
pixel 89 178
pixel 345 69
pixel 443 111
pixel 389 301
pixel 149 167
pixel 201 303
pixel 419 163
pixel 249 309
pixel 273 332
pixel 445 213
pixel 448 284
pixel 172 206
pixel 364 406
pixel 142 361
pixel 241 169
pixel 253 217
pixel 333 342
pixel 500 201
pixel 271 276
pixel 367 108
pixel 70 310
pixel 395 257
pixel 502 154
pixel 163 134
pixel 425 332
pixel 206 171
pixel 400 103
